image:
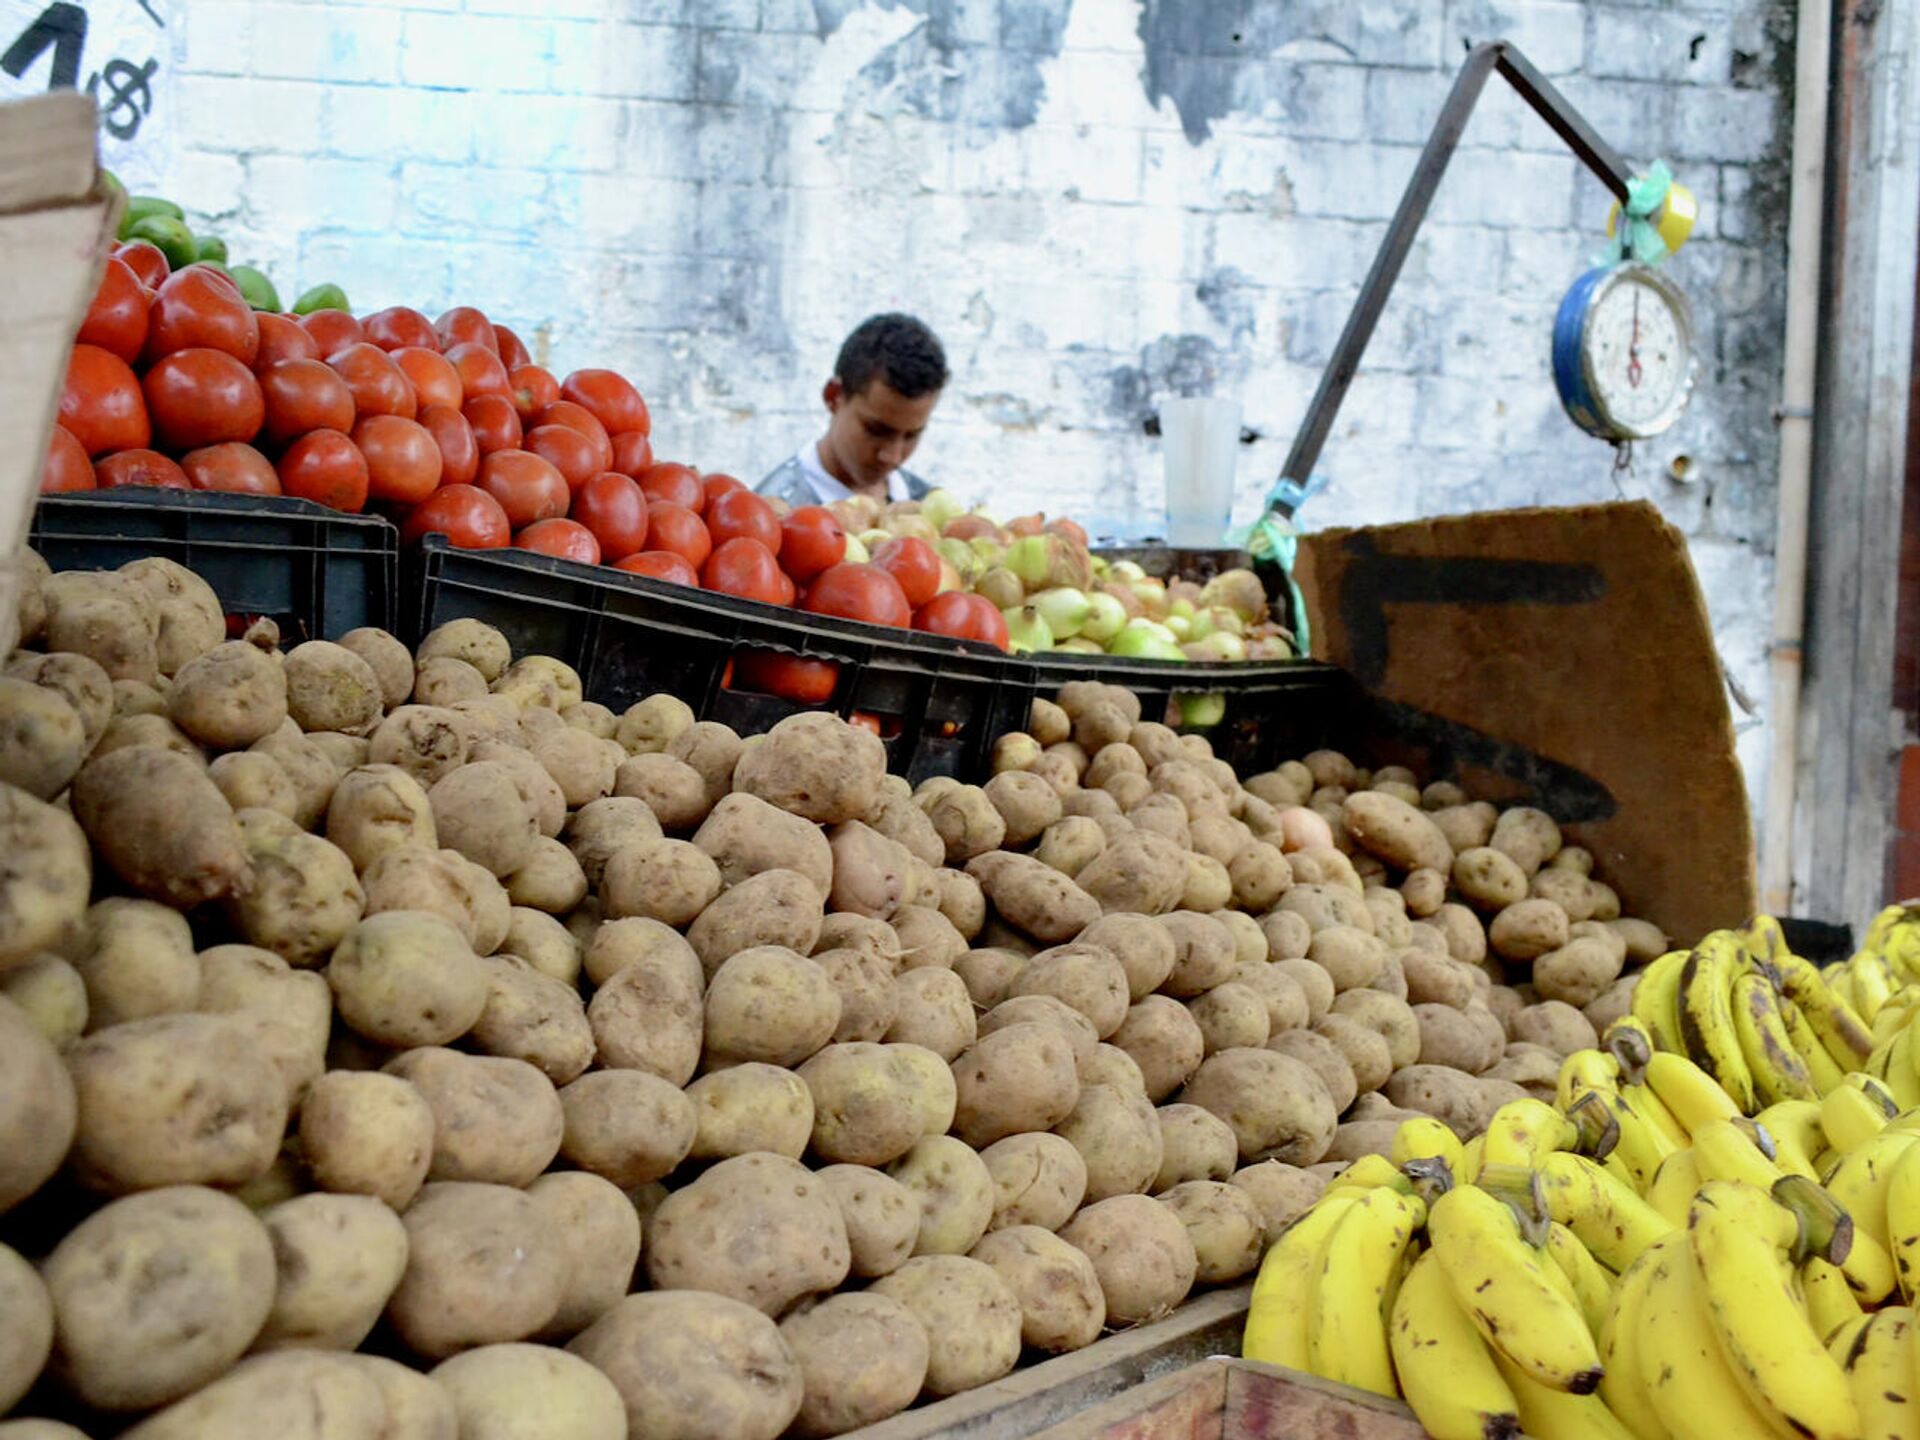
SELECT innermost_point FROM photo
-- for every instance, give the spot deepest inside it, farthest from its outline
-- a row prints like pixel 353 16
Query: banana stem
pixel 1826 1229
pixel 1519 1189
pixel 1599 1127
pixel 1630 1049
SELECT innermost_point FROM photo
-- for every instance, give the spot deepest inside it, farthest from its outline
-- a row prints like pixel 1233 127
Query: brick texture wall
pixel 1096 202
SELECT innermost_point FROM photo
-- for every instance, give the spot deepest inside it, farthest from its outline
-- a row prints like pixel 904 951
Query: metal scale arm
pixel 1565 121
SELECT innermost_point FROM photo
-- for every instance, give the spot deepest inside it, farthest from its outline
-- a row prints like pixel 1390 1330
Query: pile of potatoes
pixel 398 1045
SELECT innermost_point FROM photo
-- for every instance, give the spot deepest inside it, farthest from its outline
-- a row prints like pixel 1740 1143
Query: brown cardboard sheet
pixel 1562 657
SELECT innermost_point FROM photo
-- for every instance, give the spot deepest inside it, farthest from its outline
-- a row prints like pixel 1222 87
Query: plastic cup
pixel 1200 446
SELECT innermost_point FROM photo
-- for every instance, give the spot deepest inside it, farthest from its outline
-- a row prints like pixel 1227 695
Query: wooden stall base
pixel 1227 1399
pixel 1125 1364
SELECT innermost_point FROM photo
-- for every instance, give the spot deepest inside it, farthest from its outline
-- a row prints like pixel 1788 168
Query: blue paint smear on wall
pixel 976 62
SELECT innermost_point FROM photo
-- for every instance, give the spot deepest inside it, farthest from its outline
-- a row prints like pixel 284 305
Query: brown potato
pixel 861 1358
pixel 649 1014
pixel 599 1229
pixel 339 1258
pixel 698 1367
pixel 161 825
pixel 495 1121
pixel 1019 1078
pixel 1061 1304
pixel 771 1004
pixel 157 1294
pixel 502 1392
pixel 1164 1040
pixel 1085 977
pixel 816 766
pixel 1277 1106
pixel 779 908
pixel 364 1133
pixel 405 978
pixel 1141 1253
pixel 37 1107
pixel 955 1191
pixel 671 788
pixel 1204 953
pixel 751 1107
pixel 626 1126
pixel 882 1217
pixel 483 1267
pixel 1227 1227
pixel 1118 1136
pixel 972 1320
pixel 758 1228
pixel 302 897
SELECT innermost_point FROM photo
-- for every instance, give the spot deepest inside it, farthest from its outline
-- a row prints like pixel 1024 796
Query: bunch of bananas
pixel 1713 1233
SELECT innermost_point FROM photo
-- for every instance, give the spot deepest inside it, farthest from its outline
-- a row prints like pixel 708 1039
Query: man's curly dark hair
pixel 895 348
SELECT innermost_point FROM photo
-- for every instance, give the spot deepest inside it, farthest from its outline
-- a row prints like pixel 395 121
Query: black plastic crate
pixel 939 704
pixel 316 572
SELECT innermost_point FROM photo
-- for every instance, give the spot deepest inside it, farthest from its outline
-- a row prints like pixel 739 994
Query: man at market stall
pixel 885 383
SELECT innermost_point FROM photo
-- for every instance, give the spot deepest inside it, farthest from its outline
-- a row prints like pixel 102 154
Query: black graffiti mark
pixel 152 14
pixel 1374 581
pixel 61 28
pixel 128 85
pixel 1571 796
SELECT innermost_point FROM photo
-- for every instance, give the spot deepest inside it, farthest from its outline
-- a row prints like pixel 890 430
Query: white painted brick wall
pixel 708 193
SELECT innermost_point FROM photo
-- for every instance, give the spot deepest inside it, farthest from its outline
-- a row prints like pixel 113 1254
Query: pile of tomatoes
pixel 446 426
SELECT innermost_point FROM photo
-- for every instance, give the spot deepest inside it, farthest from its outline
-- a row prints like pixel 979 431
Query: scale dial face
pixel 1637 351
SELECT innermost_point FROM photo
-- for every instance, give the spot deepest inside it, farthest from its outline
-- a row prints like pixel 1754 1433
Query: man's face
pixel 874 431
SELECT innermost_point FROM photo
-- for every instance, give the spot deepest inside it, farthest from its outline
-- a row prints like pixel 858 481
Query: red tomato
pixel 233 467
pixel 403 461
pixel 865 720
pixel 743 513
pixel 379 385
pixel 66 466
pixel 117 318
pixel 673 484
pixel 792 677
pixel 139 467
pixel 202 397
pixel 789 592
pixel 527 487
pixel 660 565
pixel 282 339
pixel 632 452
pixel 147 261
pixel 743 567
pixel 303 395
pixel 567 450
pixel 464 325
pixel 714 485
pixel 495 424
pixel 565 412
pixel 676 528
pixel 434 380
pixel 513 354
pixel 480 371
pixel 326 466
pixel 615 509
pixel 333 330
pixel 964 617
pixel 470 518
pixel 568 539
pixel 459 452
pixel 398 328
pixel 612 399
pixel 102 404
pixel 914 563
pixel 859 592
pixel 811 539
pixel 533 390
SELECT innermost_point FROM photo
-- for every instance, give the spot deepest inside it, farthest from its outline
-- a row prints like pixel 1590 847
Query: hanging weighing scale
pixel 1623 338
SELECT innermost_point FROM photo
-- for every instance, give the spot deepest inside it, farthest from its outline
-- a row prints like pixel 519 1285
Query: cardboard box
pixel 1557 657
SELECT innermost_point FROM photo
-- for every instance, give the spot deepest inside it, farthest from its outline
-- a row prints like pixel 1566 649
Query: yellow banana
pixel 1549 1414
pixel 1656 1002
pixel 1872 985
pixel 1777 1069
pixel 1370 1172
pixel 1836 1023
pixel 1673 1188
pixel 1830 1302
pixel 1840 1344
pixel 1582 1071
pixel 1694 1096
pixel 1359 1268
pixel 1707 1024
pixel 1501 1282
pixel 1690 1384
pixel 1764 939
pixel 1863 1180
pixel 1624 1386
pixel 1446 1372
pixel 1850 1117
pixel 1740 1240
pixel 1613 1222
pixel 1880 1369
pixel 1522 1132
pixel 1726 1153
pixel 1589 1282
pixel 1797 1134
pixel 1881 926
pixel 1639 1146
pixel 1276 1329
pixel 1424 1138
pixel 1902 1218
pixel 1825 1070
pixel 1470 1154
pixel 1653 1111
